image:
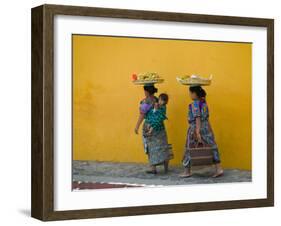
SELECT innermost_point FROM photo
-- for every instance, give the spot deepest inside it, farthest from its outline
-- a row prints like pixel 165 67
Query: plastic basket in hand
pixel 201 154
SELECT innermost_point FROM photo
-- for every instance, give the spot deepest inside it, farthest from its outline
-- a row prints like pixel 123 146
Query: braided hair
pixel 150 89
pixel 200 92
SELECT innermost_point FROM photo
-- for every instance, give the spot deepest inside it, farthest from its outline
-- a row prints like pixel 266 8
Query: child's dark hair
pixel 150 89
pixel 200 92
pixel 164 97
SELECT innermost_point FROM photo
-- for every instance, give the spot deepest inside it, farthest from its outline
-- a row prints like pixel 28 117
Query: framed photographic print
pixel 142 112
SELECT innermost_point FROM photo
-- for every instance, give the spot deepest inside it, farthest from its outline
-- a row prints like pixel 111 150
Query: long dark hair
pixel 200 92
pixel 150 89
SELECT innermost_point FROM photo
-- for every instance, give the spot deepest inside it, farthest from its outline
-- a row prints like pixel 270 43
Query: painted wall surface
pixel 105 102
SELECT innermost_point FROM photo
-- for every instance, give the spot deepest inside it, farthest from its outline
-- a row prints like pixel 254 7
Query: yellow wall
pixel 105 102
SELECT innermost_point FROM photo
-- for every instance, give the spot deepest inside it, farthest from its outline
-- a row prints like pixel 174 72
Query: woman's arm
pixel 139 122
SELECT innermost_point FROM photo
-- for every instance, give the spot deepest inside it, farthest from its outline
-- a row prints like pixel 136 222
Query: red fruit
pixel 134 76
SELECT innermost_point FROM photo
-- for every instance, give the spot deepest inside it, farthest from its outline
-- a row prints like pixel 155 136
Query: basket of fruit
pixel 146 78
pixel 194 80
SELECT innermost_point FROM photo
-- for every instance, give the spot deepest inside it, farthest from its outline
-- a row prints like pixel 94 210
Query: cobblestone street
pixel 111 175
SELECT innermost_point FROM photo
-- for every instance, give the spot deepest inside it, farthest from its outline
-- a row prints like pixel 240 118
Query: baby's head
pixel 163 99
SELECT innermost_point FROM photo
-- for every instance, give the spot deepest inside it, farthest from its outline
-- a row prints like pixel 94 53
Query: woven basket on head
pixel 148 78
pixel 194 80
pixel 147 82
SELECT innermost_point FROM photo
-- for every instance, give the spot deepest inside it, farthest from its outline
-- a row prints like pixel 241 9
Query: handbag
pixel 201 154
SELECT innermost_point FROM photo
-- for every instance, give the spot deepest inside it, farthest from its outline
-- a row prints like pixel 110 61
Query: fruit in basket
pixel 134 77
pixel 148 76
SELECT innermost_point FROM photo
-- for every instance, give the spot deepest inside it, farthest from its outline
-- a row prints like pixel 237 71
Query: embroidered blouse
pixel 198 108
pixel 147 104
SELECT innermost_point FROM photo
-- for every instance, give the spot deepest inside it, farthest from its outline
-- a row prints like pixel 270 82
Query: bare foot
pixel 185 175
pixel 151 171
pixel 218 174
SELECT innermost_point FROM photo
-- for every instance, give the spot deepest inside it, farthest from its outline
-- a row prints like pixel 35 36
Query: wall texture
pixel 105 102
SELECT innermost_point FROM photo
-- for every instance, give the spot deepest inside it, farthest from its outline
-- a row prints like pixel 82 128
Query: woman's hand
pixel 150 130
pixel 136 130
pixel 199 139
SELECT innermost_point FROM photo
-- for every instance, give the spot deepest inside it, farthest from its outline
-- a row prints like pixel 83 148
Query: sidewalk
pixel 96 175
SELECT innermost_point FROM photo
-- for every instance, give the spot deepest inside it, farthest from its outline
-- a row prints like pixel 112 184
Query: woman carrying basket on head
pixel 154 139
pixel 200 130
